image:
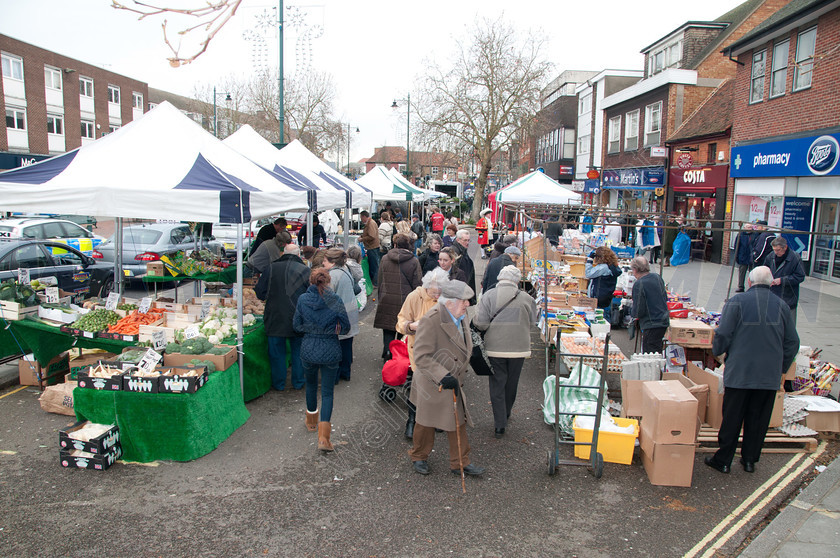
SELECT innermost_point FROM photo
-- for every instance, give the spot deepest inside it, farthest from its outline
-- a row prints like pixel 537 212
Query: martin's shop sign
pixel 634 179
pixel 698 179
pixel 811 156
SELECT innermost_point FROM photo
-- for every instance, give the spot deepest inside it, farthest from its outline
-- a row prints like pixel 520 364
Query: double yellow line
pixel 754 504
pixel 13 391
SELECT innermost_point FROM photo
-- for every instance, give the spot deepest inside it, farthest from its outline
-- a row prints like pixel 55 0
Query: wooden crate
pixel 14 311
pixel 776 441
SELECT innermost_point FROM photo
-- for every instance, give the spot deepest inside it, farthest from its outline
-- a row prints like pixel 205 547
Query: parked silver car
pixel 148 242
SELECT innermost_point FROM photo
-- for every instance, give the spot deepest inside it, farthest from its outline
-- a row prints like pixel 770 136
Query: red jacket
pixel 437 222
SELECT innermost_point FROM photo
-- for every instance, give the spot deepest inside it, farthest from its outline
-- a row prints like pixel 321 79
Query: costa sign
pixel 698 178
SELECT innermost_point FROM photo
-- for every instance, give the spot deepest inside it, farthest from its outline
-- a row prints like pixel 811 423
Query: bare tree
pixel 232 104
pixel 482 100
pixel 309 105
pixel 209 19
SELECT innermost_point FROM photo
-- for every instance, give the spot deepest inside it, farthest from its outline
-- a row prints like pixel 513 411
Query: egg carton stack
pixel 88 445
pixel 643 366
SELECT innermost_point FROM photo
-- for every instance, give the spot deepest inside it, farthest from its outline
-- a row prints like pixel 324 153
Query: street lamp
pixel 348 148
pixel 394 105
pixel 215 122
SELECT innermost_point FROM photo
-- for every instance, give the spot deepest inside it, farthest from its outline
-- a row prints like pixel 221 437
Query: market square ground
pixel 267 491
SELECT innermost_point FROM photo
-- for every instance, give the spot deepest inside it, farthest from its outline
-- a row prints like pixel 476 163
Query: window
pixel 711 154
pixel 585 103
pixel 614 139
pixel 757 79
pixel 31 256
pixel 778 75
pixel 87 129
pixel 55 124
pixel 114 94
pixel 180 235
pixel 631 130
pixel 653 123
pixel 16 118
pixel 434 171
pixel 86 87
pixel 112 129
pixel 52 78
pixel 152 105
pixel 583 144
pixel 667 57
pixel 12 66
pixel 137 100
pixel 568 143
pixel 804 68
pixel 674 54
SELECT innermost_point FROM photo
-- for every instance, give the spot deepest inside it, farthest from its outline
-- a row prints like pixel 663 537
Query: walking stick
pixel 458 437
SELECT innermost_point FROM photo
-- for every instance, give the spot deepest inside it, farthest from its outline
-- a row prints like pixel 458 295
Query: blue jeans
pixel 277 355
pixel 417 245
pixel 373 257
pixel 328 375
pixel 346 359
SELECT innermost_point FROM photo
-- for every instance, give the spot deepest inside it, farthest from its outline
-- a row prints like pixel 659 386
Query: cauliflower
pixel 215 339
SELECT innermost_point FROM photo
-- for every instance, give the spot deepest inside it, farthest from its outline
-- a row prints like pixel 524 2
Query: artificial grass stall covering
pixel 177 427
pixel 46 341
pixel 257 376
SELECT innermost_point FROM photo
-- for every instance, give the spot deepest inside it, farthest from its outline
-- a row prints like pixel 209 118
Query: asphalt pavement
pixel 267 491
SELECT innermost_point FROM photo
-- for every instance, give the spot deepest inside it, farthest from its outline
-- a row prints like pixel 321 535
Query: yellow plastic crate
pixel 615 447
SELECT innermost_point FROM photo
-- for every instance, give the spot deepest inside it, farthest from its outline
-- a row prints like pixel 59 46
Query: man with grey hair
pixel 787 271
pixel 511 256
pixel 465 263
pixel 650 305
pixel 442 348
pixel 758 337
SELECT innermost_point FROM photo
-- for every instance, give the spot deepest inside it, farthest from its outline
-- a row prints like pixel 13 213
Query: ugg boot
pixel 312 421
pixel 324 429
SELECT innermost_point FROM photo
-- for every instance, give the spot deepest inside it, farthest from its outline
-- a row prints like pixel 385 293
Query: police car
pixel 56 230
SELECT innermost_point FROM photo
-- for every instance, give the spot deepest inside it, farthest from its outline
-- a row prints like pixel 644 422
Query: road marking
pixel 15 391
pixel 808 460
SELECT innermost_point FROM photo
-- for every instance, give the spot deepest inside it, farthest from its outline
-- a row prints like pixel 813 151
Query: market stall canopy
pixel 250 144
pixel 297 156
pixel 161 165
pixel 383 185
pixel 536 189
pixel 417 193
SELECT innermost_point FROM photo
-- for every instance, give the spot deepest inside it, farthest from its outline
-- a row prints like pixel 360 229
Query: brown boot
pixel 324 429
pixel 311 421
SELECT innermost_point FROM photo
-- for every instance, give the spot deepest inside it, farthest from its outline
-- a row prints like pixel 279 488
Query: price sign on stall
pixel 145 304
pixel 52 294
pixel 111 303
pixel 191 332
pixel 158 339
pixel 23 276
pixel 205 309
pixel 234 291
pixel 149 360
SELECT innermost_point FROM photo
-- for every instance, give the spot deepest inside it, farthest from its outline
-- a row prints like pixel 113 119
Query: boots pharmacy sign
pixel 809 156
pixel 698 179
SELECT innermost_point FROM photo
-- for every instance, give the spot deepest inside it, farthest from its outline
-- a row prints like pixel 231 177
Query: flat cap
pixel 513 250
pixel 456 289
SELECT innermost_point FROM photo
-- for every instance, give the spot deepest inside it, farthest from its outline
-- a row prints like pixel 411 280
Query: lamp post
pixel 215 121
pixel 348 149
pixel 407 133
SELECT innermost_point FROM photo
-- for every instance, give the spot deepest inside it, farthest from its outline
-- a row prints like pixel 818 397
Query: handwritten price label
pixel 149 360
pixel 52 294
pixel 158 339
pixel 23 276
pixel 111 303
pixel 145 304
pixel 191 332
pixel 205 309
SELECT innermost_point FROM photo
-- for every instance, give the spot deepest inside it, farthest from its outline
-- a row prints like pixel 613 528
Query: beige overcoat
pixel 440 349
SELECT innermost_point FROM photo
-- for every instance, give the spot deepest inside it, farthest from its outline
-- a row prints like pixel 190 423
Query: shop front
pixel 693 194
pixel 635 189
pixel 794 185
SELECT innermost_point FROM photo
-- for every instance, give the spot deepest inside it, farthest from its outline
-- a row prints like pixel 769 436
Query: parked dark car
pixel 76 273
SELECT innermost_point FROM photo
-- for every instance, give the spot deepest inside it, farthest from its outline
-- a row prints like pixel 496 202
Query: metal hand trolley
pixel 596 460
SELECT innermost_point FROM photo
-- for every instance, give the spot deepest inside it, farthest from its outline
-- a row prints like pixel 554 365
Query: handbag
pixel 356 287
pixel 479 361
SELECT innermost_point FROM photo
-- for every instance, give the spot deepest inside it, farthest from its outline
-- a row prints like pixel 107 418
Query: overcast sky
pixel 375 49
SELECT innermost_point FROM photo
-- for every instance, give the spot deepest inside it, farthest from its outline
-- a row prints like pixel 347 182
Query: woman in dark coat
pixel 399 274
pixel 447 260
pixel 429 258
pixel 320 316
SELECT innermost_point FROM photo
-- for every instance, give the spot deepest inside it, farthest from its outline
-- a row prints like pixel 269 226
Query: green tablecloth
pixel 178 427
pixel 46 341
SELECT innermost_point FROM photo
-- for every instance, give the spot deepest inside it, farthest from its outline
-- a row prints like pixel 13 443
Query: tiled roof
pixel 713 116
pixel 790 10
pixel 734 17
pixel 387 154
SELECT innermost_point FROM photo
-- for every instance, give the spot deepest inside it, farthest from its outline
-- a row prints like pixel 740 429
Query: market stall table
pixel 178 427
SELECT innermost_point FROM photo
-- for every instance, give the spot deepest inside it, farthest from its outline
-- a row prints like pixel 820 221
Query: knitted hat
pixel 510 273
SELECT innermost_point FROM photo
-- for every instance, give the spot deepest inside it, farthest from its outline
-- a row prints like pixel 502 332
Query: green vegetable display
pixel 127 307
pixel 134 355
pixel 11 291
pixel 96 320
pixel 210 366
pixel 196 346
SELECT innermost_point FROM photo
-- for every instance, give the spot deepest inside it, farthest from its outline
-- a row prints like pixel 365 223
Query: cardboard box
pixel 79 363
pixel 101 444
pixel 631 398
pixel 170 381
pixel 155 269
pixel 63 296
pixel 114 383
pixel 99 462
pixel 582 301
pixel 700 392
pixel 577 270
pixel 140 384
pixel 667 464
pixel 669 412
pixel 222 362
pixel 778 410
pixel 714 408
pixel 690 333
pixel 29 370
pixel 60 316
pixel 823 421
pixel 551 338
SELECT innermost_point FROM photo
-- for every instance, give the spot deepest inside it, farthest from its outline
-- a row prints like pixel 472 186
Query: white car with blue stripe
pixel 56 230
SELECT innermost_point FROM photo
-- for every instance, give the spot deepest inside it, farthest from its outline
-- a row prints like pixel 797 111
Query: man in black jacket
pixel 758 337
pixel 491 274
pixel 787 271
pixel 280 286
pixel 465 263
pixel 650 305
pixel 761 243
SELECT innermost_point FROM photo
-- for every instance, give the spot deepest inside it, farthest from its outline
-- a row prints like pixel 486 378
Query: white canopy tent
pixel 161 165
pixel 536 189
pixel 383 185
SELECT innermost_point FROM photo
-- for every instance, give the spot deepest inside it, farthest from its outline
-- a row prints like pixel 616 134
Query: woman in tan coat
pixel 416 305
pixel 442 348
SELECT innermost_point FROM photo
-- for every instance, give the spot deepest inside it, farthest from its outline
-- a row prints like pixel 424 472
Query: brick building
pixel 681 70
pixel 423 163
pixel 54 104
pixel 786 131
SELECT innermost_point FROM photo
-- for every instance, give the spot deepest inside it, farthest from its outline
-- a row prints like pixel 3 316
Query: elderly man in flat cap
pixel 442 348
